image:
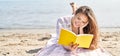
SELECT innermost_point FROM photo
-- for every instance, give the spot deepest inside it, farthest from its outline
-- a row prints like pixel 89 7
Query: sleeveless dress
pixel 54 49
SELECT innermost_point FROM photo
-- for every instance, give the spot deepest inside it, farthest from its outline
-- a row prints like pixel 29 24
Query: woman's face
pixel 79 20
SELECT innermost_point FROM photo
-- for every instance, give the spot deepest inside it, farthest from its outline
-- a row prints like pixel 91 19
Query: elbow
pixel 93 47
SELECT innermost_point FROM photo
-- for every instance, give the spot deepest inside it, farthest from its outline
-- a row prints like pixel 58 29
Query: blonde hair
pixel 92 27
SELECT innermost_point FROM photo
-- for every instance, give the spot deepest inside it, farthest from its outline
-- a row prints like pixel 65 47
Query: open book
pixel 66 37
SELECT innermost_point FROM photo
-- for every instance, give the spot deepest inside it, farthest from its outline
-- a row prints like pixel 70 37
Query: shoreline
pixel 53 30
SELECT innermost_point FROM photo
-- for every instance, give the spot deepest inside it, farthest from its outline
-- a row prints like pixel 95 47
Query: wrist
pixel 81 31
pixel 66 48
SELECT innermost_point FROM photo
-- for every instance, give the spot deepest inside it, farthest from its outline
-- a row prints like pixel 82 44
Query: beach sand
pixel 27 42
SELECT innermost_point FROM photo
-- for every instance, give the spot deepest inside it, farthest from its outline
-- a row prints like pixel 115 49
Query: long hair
pixel 92 27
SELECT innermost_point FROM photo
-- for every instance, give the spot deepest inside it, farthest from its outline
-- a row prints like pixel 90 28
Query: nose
pixel 79 21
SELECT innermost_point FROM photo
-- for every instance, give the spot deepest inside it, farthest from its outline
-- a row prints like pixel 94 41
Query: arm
pixel 95 44
pixel 54 37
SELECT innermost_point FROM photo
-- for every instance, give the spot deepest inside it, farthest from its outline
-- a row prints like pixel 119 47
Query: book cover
pixel 66 37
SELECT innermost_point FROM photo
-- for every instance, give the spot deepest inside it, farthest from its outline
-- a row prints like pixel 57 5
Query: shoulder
pixel 65 18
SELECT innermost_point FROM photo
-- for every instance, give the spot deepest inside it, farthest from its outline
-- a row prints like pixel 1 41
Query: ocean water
pixel 44 13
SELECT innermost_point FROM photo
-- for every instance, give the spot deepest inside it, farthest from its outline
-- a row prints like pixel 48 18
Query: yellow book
pixel 66 37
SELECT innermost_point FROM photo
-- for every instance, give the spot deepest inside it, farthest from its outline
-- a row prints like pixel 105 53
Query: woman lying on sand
pixel 83 21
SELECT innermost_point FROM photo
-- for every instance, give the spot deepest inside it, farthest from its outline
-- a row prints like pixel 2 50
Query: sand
pixel 27 42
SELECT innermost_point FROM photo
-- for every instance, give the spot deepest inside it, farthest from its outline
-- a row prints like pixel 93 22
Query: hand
pixel 84 25
pixel 71 47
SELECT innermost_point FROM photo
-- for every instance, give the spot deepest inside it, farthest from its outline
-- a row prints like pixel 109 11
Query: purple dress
pixel 54 49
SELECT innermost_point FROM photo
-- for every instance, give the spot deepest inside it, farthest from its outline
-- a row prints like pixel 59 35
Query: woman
pixel 83 22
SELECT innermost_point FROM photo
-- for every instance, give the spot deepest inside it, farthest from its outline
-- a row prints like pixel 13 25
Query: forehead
pixel 81 16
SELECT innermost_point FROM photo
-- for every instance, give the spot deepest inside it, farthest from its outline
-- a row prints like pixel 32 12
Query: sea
pixel 44 13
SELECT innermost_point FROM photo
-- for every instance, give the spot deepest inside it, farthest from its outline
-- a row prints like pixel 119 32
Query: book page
pixel 84 40
pixel 66 37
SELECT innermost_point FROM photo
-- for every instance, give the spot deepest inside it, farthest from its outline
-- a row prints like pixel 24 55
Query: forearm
pixel 81 31
pixel 93 47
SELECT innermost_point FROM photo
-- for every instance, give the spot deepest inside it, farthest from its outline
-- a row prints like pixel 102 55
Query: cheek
pixel 81 24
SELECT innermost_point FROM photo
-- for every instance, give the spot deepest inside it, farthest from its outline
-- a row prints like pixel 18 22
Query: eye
pixel 84 22
pixel 79 18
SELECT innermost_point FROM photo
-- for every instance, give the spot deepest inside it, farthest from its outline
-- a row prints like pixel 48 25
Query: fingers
pixel 86 24
pixel 81 27
pixel 73 46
